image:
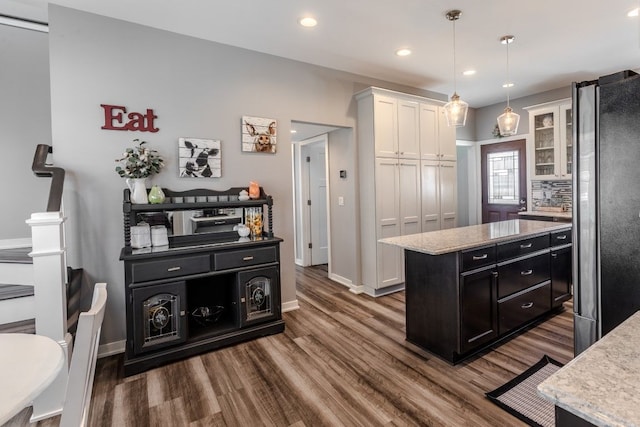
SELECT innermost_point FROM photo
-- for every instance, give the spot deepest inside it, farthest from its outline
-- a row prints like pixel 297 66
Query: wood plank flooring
pixel 342 361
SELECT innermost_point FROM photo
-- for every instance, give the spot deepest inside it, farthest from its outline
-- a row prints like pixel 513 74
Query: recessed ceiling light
pixel 308 22
pixel 468 72
pixel 633 12
pixel 294 131
pixel 403 52
pixel 507 85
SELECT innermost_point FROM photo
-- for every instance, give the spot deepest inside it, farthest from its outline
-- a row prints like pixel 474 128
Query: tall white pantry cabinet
pixel 407 168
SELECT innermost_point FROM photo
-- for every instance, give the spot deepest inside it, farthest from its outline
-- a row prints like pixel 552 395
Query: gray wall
pixel 25 121
pixel 196 88
pixel 486 117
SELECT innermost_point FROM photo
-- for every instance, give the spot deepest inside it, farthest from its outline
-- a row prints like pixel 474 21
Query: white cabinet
pixel 398 134
pixel 396 125
pixel 550 140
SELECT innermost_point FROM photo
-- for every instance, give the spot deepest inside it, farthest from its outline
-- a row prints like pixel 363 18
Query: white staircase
pixel 17 303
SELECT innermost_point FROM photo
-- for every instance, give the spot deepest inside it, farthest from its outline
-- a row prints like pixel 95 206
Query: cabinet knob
pixel 554 255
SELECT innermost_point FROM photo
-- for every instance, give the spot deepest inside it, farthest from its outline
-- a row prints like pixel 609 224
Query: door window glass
pixel 502 171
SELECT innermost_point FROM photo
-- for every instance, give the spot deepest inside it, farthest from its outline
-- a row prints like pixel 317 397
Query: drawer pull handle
pixel 247 258
pixel 526 273
pixel 526 246
pixel 174 269
pixel 527 305
pixel 562 237
pixel 479 257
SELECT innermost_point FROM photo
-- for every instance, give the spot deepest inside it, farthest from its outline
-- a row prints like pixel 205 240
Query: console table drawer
pixel 522 247
pixel 143 271
pixel 523 307
pixel 243 258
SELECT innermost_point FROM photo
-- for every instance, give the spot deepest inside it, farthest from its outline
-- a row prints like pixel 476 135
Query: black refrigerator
pixel 606 204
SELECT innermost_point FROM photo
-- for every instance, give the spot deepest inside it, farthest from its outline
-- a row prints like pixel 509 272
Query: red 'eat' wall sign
pixel 114 119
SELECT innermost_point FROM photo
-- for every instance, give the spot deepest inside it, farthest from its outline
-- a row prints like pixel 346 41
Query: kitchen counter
pixel 551 215
pixel 461 238
pixel 602 384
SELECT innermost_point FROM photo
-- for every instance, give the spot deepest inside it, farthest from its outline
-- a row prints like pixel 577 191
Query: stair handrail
pixel 41 169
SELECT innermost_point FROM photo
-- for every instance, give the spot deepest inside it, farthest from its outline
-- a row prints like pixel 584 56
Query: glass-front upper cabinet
pixel 550 130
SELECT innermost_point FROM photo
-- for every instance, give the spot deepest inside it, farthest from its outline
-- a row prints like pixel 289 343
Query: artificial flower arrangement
pixel 139 162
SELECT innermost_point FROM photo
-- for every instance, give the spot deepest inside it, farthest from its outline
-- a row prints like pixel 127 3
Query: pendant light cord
pixel 454 55
pixel 508 77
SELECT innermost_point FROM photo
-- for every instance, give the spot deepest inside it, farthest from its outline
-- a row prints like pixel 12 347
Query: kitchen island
pixel 470 287
pixel 601 386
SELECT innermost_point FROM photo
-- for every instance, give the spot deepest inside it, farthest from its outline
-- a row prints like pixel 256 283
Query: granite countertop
pixel 461 238
pixel 550 214
pixel 602 384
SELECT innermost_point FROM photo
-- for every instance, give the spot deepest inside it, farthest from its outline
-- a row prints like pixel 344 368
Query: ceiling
pixel 556 42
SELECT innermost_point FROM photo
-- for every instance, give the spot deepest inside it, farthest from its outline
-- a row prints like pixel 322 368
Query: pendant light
pixel 508 121
pixel 456 109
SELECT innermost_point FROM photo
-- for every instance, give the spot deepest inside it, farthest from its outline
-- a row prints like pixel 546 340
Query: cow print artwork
pixel 259 134
pixel 199 158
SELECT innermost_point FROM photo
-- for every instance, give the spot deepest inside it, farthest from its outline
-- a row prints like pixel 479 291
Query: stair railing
pixel 41 169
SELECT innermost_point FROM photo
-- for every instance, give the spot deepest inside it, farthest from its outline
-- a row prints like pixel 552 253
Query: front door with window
pixel 504 180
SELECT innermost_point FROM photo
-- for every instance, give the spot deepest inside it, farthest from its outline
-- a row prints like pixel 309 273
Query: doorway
pixel 315 191
pixel 504 180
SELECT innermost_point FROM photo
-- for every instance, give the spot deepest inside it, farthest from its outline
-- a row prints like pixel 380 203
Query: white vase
pixel 138 189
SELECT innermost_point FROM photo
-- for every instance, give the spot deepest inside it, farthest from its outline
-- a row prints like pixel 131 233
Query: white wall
pixel 25 122
pixel 196 88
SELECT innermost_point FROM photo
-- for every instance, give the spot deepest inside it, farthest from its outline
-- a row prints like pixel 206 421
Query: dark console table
pixel 202 291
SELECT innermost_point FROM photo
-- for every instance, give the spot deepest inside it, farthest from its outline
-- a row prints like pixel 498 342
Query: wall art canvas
pixel 199 158
pixel 259 134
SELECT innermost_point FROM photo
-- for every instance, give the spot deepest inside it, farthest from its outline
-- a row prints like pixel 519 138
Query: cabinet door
pixel 385 123
pixel 546 141
pixel 408 129
pixel 566 141
pixel 409 196
pixel 446 138
pixel 430 189
pixel 387 211
pixel 478 309
pixel 429 117
pixel 448 194
pixel 560 276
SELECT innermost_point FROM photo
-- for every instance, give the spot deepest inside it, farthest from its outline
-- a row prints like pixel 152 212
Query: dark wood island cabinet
pixel 208 287
pixel 468 288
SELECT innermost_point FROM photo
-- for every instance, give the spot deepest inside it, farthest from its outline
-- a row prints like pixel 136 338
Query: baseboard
pixel 383 291
pixel 342 280
pixel 111 348
pixel 360 289
pixel 290 306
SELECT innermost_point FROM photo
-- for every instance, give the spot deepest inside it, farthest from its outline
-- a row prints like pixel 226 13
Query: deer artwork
pixel 262 140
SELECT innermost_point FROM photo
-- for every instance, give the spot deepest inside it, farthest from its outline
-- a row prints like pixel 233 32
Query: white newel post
pixel 50 278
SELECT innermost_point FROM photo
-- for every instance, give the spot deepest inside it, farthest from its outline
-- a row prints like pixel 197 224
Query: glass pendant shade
pixel 456 111
pixel 508 122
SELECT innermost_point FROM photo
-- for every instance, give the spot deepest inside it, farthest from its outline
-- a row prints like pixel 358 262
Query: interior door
pixel 504 180
pixel 318 197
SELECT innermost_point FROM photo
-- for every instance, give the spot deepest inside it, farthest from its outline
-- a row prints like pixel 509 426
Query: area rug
pixel 520 396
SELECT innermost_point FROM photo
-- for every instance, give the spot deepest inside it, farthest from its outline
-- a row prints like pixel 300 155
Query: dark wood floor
pixel 342 360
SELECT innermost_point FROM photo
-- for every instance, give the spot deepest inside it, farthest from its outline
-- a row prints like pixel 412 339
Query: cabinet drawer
pixel 478 257
pixel 521 274
pixel 522 247
pixel 243 258
pixel 561 237
pixel 523 307
pixel 167 268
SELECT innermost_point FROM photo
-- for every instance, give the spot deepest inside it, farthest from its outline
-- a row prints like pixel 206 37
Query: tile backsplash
pixel 551 194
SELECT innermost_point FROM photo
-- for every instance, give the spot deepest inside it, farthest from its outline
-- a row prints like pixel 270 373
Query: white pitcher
pixel 138 189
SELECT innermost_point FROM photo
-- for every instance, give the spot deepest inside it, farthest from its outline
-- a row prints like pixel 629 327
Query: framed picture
pixel 199 158
pixel 259 135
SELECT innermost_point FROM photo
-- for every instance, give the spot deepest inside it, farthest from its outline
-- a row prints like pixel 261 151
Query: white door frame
pixel 302 227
